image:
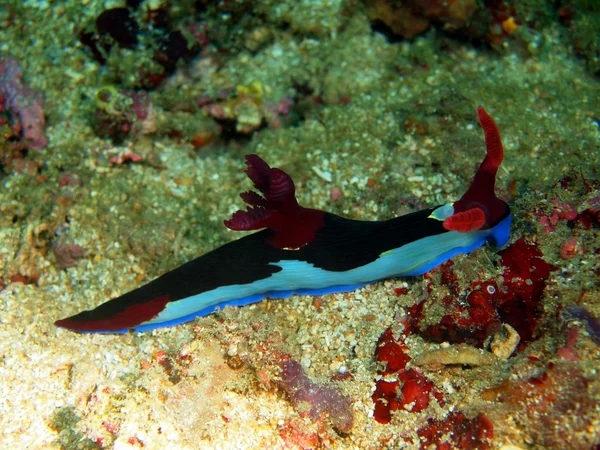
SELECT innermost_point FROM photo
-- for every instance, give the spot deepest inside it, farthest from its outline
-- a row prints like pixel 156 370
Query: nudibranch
pixel 309 252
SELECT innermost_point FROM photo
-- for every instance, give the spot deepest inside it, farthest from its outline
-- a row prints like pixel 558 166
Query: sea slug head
pixel 479 208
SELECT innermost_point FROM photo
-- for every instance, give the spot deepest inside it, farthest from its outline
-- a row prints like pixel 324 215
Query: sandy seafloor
pixel 390 126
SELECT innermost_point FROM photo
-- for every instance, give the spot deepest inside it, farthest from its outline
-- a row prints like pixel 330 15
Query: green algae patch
pixel 63 421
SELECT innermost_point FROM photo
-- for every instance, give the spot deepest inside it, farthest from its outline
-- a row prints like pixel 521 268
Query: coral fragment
pixel 321 399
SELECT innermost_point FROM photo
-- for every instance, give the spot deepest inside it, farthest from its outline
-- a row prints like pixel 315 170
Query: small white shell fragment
pixel 505 341
pixel 325 175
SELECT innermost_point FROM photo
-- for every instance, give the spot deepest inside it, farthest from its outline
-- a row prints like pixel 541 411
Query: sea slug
pixel 309 252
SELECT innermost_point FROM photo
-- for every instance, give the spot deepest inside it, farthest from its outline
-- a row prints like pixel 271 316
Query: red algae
pixel 525 278
pixel 457 432
pixel 294 436
pixel 514 299
pixel 391 352
pixel 410 390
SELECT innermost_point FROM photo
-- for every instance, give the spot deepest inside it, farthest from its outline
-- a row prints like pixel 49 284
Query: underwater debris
pixel 122 28
pixel 245 110
pixel 66 254
pixel 411 18
pixel 22 104
pixel 123 114
pixel 558 406
pixel 322 399
pixel 580 314
pixel 459 354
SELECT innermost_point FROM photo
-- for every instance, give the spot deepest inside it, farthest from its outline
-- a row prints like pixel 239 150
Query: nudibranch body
pixel 308 252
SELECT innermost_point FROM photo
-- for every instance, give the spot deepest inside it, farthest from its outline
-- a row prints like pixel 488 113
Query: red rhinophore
pixel 481 194
pixel 128 318
pixel 291 226
pixel 463 222
pixel 495 151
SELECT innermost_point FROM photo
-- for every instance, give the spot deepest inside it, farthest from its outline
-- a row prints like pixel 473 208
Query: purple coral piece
pixel 67 255
pixel 321 398
pixel 22 102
